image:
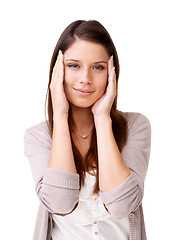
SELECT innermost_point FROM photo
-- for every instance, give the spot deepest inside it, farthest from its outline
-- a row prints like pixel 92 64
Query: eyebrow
pixel 101 62
pixel 74 60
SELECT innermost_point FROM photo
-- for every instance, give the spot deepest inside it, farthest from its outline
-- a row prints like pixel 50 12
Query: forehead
pixel 86 50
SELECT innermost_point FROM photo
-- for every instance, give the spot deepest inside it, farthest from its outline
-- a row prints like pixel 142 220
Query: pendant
pixel 84 136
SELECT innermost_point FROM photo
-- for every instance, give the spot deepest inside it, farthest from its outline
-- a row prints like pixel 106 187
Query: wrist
pixel 102 121
pixel 58 117
pixel 60 124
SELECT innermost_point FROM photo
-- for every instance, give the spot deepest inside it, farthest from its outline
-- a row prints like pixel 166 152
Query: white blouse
pixel 90 220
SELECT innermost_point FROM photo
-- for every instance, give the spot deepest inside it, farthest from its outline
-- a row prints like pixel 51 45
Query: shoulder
pixel 39 133
pixel 135 119
pixel 139 128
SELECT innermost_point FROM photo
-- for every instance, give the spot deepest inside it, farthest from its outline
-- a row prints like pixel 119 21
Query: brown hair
pixel 91 31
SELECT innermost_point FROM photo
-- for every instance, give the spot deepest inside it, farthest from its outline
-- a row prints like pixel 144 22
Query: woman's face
pixel 86 72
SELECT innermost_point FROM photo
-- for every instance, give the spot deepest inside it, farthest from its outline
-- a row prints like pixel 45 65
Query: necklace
pixel 82 136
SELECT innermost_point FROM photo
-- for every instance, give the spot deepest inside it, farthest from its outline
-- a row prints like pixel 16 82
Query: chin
pixel 83 102
pixel 81 105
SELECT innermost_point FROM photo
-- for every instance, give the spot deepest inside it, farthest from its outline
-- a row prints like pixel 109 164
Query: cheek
pixel 67 83
pixel 103 83
pixel 67 77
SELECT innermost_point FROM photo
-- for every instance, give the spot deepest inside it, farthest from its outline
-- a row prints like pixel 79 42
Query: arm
pixel 57 190
pixel 112 169
pixel 127 197
pixel 61 158
pixel 52 162
pixel 121 176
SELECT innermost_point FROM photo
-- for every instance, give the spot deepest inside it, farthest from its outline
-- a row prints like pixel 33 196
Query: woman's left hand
pixel 103 106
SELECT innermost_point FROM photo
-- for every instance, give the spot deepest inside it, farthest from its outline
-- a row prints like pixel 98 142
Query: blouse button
pixel 96 233
pixel 95 222
pixel 132 215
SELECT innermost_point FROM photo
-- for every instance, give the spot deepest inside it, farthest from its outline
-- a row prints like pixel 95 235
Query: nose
pixel 85 77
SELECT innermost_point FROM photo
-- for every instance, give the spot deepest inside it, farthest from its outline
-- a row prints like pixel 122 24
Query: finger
pixel 112 61
pixel 55 68
pixel 112 78
pixel 59 63
pixel 111 68
pixel 57 74
pixel 110 75
pixel 61 68
pixel 111 89
pixel 57 60
pixel 110 65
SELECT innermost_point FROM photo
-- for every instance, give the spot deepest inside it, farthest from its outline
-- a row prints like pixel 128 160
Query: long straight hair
pixel 91 31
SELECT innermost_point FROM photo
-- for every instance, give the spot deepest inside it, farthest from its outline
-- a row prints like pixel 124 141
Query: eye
pixel 98 67
pixel 73 65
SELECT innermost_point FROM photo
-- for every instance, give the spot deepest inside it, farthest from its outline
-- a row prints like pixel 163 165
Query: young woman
pixel 88 160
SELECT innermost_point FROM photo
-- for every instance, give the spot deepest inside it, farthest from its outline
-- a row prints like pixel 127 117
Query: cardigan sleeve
pixel 127 197
pixel 57 190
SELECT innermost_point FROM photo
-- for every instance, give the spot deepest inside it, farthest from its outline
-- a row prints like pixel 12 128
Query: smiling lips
pixel 83 92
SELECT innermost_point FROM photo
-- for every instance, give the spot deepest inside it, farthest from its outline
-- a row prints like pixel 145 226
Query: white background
pixel 149 38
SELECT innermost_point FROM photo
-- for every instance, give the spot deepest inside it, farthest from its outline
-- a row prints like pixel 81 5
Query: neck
pixel 82 119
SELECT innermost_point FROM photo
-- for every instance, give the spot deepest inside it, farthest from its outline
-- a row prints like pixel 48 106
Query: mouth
pixel 83 92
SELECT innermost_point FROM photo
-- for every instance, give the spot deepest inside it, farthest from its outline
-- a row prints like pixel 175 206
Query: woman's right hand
pixel 59 100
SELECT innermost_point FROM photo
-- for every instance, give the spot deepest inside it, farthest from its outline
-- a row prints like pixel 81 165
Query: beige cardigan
pixel 58 191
